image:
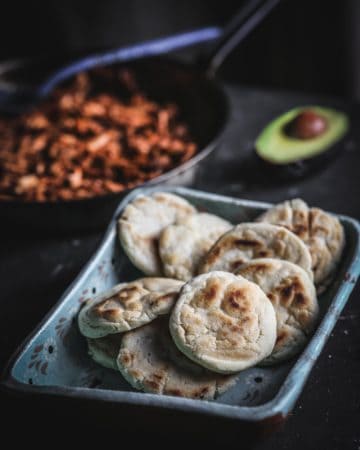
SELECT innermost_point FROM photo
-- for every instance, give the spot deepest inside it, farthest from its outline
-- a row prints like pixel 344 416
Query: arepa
pixel 105 350
pixel 149 361
pixel 223 322
pixel 248 241
pixel 127 306
pixel 141 223
pixel 184 244
pixel 322 233
pixel 293 296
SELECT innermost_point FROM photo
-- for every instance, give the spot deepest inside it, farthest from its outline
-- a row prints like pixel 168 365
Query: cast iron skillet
pixel 192 86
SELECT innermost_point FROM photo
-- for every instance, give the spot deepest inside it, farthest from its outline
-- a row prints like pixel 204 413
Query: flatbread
pixel 248 241
pixel 293 296
pixel 150 362
pixel 322 233
pixel 223 322
pixel 105 350
pixel 142 222
pixel 127 306
pixel 184 244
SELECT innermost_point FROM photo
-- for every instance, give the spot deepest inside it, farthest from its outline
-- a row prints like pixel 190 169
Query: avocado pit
pixel 306 125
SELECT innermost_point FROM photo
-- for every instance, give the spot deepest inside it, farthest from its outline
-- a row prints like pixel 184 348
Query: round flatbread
pixel 293 296
pixel 142 222
pixel 184 244
pixel 127 306
pixel 223 322
pixel 322 233
pixel 150 362
pixel 105 350
pixel 248 241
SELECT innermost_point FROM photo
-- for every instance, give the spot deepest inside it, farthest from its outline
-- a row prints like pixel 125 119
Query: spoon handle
pixel 145 49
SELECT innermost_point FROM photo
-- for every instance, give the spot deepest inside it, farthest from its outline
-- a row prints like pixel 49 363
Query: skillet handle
pixel 247 18
pixel 145 49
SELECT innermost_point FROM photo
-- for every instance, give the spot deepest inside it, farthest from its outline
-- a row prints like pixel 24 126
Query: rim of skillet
pixel 279 406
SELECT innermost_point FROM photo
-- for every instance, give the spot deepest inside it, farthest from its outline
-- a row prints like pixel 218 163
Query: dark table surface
pixel 35 270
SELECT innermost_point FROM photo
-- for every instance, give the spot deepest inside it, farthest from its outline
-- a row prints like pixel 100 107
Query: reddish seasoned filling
pixel 84 141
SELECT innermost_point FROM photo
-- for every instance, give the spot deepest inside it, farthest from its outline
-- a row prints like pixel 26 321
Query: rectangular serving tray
pixel 53 360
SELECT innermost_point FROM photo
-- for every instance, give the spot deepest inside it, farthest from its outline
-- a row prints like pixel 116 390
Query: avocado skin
pixel 302 167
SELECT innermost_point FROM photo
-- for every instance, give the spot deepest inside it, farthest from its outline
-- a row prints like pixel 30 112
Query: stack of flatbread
pixel 216 299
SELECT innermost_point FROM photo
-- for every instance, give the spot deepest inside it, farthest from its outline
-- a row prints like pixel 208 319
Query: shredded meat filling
pixel 84 141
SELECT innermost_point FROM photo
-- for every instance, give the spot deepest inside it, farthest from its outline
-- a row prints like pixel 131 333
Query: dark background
pixel 307 45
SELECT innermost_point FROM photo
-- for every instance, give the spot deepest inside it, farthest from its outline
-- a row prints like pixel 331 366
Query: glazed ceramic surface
pixel 54 358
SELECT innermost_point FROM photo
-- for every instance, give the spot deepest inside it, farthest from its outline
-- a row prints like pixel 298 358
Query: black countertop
pixel 35 270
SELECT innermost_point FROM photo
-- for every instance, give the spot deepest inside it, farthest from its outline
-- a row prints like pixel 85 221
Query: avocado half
pixel 296 157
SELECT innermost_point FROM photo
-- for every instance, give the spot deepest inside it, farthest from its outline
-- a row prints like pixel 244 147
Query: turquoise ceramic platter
pixel 53 360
